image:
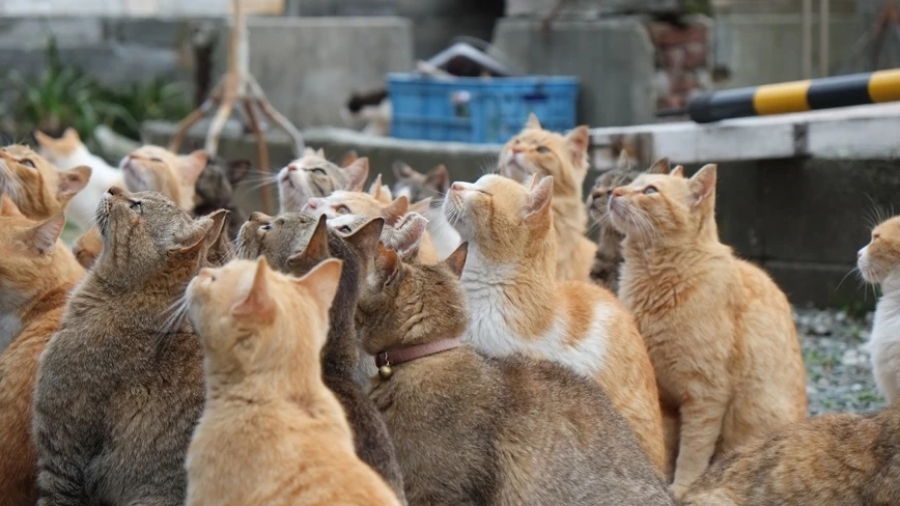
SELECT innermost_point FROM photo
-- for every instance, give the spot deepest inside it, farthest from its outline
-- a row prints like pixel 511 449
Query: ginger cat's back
pixel 718 330
pixel 291 443
pixel 836 459
pixel 517 306
pixel 37 270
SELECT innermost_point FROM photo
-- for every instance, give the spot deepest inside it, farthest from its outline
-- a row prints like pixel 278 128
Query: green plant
pixel 156 99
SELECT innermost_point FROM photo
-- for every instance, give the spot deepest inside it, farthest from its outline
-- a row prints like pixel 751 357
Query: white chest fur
pixel 490 332
pixel 884 344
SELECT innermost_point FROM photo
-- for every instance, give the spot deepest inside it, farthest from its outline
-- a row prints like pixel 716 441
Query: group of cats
pixel 370 347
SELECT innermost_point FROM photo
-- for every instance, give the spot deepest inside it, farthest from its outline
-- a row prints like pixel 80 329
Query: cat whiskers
pixel 177 312
pixel 257 181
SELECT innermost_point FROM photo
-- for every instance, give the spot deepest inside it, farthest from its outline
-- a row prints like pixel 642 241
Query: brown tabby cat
pixel 214 190
pixel 517 306
pixel 405 237
pixel 36 274
pixel 538 152
pixel 38 188
pixel 719 331
pixel 152 168
pixel 120 386
pixel 271 432
pixel 294 243
pixel 835 459
pixel 605 269
pixel 476 430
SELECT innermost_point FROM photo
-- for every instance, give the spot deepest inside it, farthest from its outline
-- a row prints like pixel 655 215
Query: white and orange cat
pixel 342 203
pixel 69 152
pixel 36 186
pixel 517 304
pixel 719 331
pixel 538 152
pixel 153 168
pixel 271 432
pixel 879 263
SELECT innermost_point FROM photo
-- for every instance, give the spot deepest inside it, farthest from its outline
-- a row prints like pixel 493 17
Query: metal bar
pixel 824 33
pixel 806 43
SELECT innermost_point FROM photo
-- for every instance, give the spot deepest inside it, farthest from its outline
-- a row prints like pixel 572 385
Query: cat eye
pixel 345 229
pixel 157 160
pixel 135 204
pixel 319 171
pixel 28 163
pixel 650 190
pixel 342 209
pixel 267 226
pixel 543 150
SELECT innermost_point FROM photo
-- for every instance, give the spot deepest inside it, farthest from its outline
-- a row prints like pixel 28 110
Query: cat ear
pixel 532 122
pixel 206 230
pixel 404 171
pixel 44 235
pixel 220 219
pixel 43 139
pixel 624 162
pixel 539 200
pixel 387 264
pixel 316 249
pixel 661 166
pixel 309 152
pixel 439 179
pixel 375 187
pixel 258 304
pixel 407 239
pixel 703 184
pixel 238 169
pixel 349 158
pixel 320 153
pixel 192 165
pixel 73 181
pixel 357 173
pixel 71 135
pixel 366 238
pixel 577 142
pixel 421 207
pixel 393 211
pixel 456 262
pixel 8 207
pixel 678 171
pixel 322 281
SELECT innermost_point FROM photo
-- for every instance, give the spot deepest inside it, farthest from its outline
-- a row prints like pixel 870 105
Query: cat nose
pixel 618 192
pixel 115 190
pixel 256 216
pixel 457 187
pixel 291 168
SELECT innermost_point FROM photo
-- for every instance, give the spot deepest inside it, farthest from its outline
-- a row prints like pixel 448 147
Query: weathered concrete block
pixel 613 59
pixel 309 66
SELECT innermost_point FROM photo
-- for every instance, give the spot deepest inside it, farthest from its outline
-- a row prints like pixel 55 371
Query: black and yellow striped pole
pixel 798 96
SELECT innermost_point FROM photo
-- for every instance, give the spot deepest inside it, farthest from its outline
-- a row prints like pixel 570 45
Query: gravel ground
pixel 838 367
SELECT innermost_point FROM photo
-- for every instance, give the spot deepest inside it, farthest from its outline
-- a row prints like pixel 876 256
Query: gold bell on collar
pixel 385 371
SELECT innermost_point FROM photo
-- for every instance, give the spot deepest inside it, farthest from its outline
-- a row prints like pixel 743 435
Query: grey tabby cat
pixel 417 186
pixel 474 430
pixel 294 243
pixel 120 386
pixel 313 176
pixel 605 269
pixel 215 190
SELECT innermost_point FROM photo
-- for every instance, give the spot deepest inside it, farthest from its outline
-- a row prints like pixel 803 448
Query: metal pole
pixel 806 43
pixel 824 29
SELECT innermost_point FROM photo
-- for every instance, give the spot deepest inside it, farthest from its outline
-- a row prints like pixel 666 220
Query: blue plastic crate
pixel 478 110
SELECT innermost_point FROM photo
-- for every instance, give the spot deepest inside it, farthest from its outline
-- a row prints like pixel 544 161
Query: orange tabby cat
pixel 271 432
pixel 538 152
pixel 36 274
pixel 342 203
pixel 152 168
pixel 38 188
pixel 838 459
pixel 719 331
pixel 517 305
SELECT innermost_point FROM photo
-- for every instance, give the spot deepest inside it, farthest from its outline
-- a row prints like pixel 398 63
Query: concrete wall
pixel 133 7
pixel 309 66
pixel 613 59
